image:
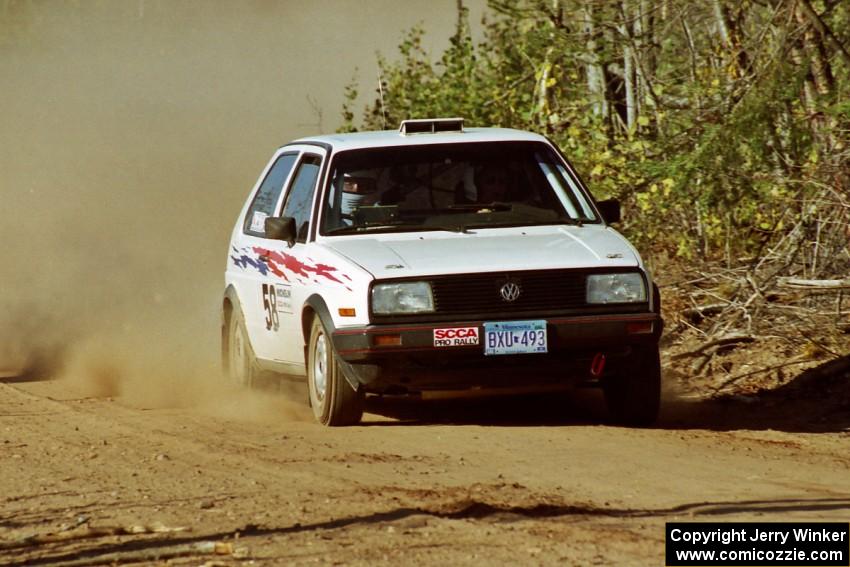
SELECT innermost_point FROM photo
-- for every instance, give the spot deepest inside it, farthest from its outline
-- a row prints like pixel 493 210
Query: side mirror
pixel 281 228
pixel 610 209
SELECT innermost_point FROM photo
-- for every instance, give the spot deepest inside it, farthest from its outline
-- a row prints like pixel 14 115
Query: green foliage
pixel 348 106
pixel 726 139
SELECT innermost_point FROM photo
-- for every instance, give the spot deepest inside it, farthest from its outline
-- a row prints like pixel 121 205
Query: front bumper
pixel 404 358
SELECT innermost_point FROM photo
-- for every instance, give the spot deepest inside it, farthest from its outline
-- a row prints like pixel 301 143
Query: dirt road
pixel 90 480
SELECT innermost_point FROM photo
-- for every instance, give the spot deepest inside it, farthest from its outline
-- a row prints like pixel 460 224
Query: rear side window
pixel 300 196
pixel 268 195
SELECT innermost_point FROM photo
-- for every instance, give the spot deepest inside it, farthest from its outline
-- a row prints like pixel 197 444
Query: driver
pixel 353 193
pixel 492 182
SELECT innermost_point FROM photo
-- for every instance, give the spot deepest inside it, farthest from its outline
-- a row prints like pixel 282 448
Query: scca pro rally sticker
pixel 456 336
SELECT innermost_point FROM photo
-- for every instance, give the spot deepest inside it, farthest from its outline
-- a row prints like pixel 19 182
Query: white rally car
pixel 436 259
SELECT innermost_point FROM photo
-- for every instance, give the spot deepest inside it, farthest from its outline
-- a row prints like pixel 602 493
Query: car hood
pixel 534 248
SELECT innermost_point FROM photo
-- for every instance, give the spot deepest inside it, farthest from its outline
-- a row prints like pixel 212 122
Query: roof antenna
pixel 381 93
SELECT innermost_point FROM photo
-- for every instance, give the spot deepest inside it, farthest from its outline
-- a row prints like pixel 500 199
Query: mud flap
pixel 347 371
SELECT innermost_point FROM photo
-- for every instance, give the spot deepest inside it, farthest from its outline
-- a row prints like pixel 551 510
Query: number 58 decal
pixel 270 305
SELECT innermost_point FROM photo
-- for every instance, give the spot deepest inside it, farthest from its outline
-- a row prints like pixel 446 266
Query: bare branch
pixel 824 30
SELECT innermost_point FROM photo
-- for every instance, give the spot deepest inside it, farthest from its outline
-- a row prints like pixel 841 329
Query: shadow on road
pixel 579 407
pixel 42 365
pixel 169 546
pixel 23 376
pixel 817 400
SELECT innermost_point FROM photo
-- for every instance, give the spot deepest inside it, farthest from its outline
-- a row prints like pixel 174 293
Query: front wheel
pixel 633 395
pixel 332 398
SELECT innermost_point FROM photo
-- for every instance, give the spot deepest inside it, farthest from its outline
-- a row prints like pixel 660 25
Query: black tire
pixel 332 398
pixel 240 363
pixel 633 395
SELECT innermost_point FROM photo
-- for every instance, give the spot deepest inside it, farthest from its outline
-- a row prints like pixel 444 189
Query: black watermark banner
pixel 808 544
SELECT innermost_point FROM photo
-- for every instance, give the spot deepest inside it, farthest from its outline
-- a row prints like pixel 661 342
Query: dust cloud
pixel 131 132
pixel 99 368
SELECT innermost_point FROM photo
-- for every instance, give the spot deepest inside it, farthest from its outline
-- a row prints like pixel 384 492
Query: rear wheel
pixel 633 395
pixel 332 398
pixel 241 365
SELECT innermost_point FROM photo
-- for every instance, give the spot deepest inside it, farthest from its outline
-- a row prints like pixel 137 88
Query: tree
pixel 716 123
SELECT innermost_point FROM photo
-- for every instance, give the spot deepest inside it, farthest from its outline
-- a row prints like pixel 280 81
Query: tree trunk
pixel 541 109
pixel 596 75
pixel 627 30
pixel 809 95
pixel 821 69
pixel 730 34
pixel 824 30
pixel 693 58
pixel 646 42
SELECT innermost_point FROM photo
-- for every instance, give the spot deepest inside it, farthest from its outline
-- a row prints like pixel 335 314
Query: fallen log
pixel 718 342
pixel 702 311
pixel 798 283
pixel 87 533
pixel 157 555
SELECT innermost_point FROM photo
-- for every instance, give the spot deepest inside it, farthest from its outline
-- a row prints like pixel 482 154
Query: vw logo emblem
pixel 510 291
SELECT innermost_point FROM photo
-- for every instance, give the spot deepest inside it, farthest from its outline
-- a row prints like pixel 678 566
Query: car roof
pixel 388 138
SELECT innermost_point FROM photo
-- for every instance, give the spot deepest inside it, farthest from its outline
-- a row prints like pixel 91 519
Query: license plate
pixel 515 337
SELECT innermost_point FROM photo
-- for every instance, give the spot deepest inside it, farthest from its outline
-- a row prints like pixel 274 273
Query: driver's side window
pixel 268 195
pixel 300 196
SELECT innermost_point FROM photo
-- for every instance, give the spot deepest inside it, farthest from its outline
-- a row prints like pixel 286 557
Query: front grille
pixel 542 293
pixel 481 293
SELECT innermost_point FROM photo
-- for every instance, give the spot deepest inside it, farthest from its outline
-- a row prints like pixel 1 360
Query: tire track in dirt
pixel 385 492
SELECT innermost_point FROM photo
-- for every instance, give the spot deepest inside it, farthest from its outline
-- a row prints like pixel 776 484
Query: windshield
pixel 451 187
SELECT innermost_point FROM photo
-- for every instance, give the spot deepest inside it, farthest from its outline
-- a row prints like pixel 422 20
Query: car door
pixel 284 281
pixel 246 271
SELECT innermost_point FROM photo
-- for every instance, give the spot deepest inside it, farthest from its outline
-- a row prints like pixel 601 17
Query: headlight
pixel 406 297
pixel 615 288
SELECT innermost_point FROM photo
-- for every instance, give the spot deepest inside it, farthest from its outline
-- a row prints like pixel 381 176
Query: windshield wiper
pixel 396 228
pixel 476 207
pixel 449 228
pixel 362 228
